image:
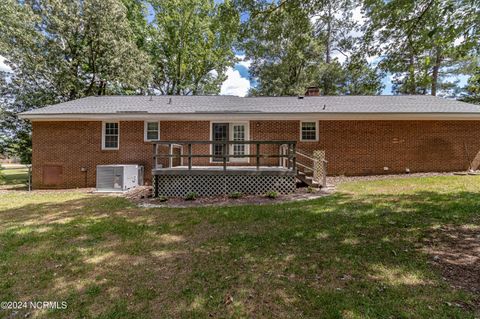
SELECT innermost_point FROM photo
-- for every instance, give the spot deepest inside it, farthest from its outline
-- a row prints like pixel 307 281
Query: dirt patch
pixel 335 180
pixel 455 250
pixel 143 197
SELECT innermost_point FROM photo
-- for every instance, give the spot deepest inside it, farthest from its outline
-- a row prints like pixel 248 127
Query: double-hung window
pixel 308 131
pixel 110 135
pixel 152 131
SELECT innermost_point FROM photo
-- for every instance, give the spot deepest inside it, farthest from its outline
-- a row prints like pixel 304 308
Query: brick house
pixel 357 135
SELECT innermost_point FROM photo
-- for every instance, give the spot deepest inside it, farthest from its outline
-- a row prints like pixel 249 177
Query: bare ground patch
pixel 455 251
pixel 336 180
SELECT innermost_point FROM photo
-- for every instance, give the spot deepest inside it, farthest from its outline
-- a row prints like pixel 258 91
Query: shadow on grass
pixel 343 256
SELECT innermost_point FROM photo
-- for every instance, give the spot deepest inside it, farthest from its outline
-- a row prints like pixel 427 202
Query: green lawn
pixel 355 254
pixel 14 177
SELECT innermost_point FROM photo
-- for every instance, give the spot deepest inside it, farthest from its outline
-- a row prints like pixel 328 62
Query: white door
pixel 238 132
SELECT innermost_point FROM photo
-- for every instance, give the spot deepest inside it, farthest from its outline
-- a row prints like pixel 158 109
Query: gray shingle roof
pixel 267 105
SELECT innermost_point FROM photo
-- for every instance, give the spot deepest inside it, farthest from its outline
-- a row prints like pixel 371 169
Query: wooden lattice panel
pixel 319 166
pixel 212 185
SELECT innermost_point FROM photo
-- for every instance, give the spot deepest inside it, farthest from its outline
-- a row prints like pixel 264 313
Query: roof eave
pixel 255 116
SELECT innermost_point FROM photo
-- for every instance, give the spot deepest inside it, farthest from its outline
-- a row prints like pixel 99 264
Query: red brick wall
pixel 74 145
pixel 366 147
pixel 352 147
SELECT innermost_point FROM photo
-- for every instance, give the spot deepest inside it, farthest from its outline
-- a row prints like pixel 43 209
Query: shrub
pixel 310 189
pixel 272 194
pixel 162 198
pixel 235 195
pixel 191 196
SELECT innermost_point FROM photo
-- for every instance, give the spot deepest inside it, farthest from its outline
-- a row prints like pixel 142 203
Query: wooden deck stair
pixel 310 168
pixel 306 177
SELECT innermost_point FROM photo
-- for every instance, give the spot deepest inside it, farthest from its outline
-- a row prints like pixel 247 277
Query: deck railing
pixel 186 151
pixel 314 163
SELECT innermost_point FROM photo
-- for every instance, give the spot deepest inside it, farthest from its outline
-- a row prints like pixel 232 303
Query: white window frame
pixel 145 128
pixel 230 133
pixel 316 131
pixel 103 136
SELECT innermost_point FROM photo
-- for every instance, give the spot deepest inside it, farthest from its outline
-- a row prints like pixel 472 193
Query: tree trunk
pixel 436 69
pixel 329 35
pixel 411 75
pixel 327 84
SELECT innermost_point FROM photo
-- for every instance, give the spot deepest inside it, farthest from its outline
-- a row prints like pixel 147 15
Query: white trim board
pixel 252 117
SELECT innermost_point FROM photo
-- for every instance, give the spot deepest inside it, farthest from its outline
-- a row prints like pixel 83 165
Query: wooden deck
pixel 225 177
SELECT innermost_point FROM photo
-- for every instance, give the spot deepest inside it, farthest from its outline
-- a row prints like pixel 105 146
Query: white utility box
pixel 118 178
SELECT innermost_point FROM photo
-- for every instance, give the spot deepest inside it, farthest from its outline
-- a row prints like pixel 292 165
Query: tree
pixel 73 47
pixel 136 15
pixel 192 45
pixel 61 50
pixel 421 41
pixel 361 78
pixel 473 88
pixel 282 46
pixel 334 28
pixel 292 43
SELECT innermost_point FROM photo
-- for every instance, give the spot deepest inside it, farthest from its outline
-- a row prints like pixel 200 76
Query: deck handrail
pixel 305 155
pixel 290 155
pixel 222 142
pixel 318 164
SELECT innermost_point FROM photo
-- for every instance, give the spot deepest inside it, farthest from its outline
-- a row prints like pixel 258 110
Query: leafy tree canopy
pixel 191 45
pixel 60 50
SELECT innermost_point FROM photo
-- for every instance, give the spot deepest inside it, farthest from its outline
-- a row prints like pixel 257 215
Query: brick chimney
pixel 312 91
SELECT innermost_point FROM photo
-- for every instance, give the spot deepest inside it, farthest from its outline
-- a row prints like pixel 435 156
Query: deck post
pixel 189 157
pixel 289 158
pixel 324 176
pixel 294 162
pixel 155 153
pixel 170 158
pixel 225 152
pixel 258 156
pixel 319 168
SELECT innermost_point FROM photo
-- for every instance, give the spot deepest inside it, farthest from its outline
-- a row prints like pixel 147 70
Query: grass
pixel 355 254
pixel 13 176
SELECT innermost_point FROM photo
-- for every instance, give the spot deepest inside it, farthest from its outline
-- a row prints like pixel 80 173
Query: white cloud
pixel 235 84
pixel 213 73
pixel 373 59
pixel 341 57
pixel 358 16
pixel 459 41
pixel 3 66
